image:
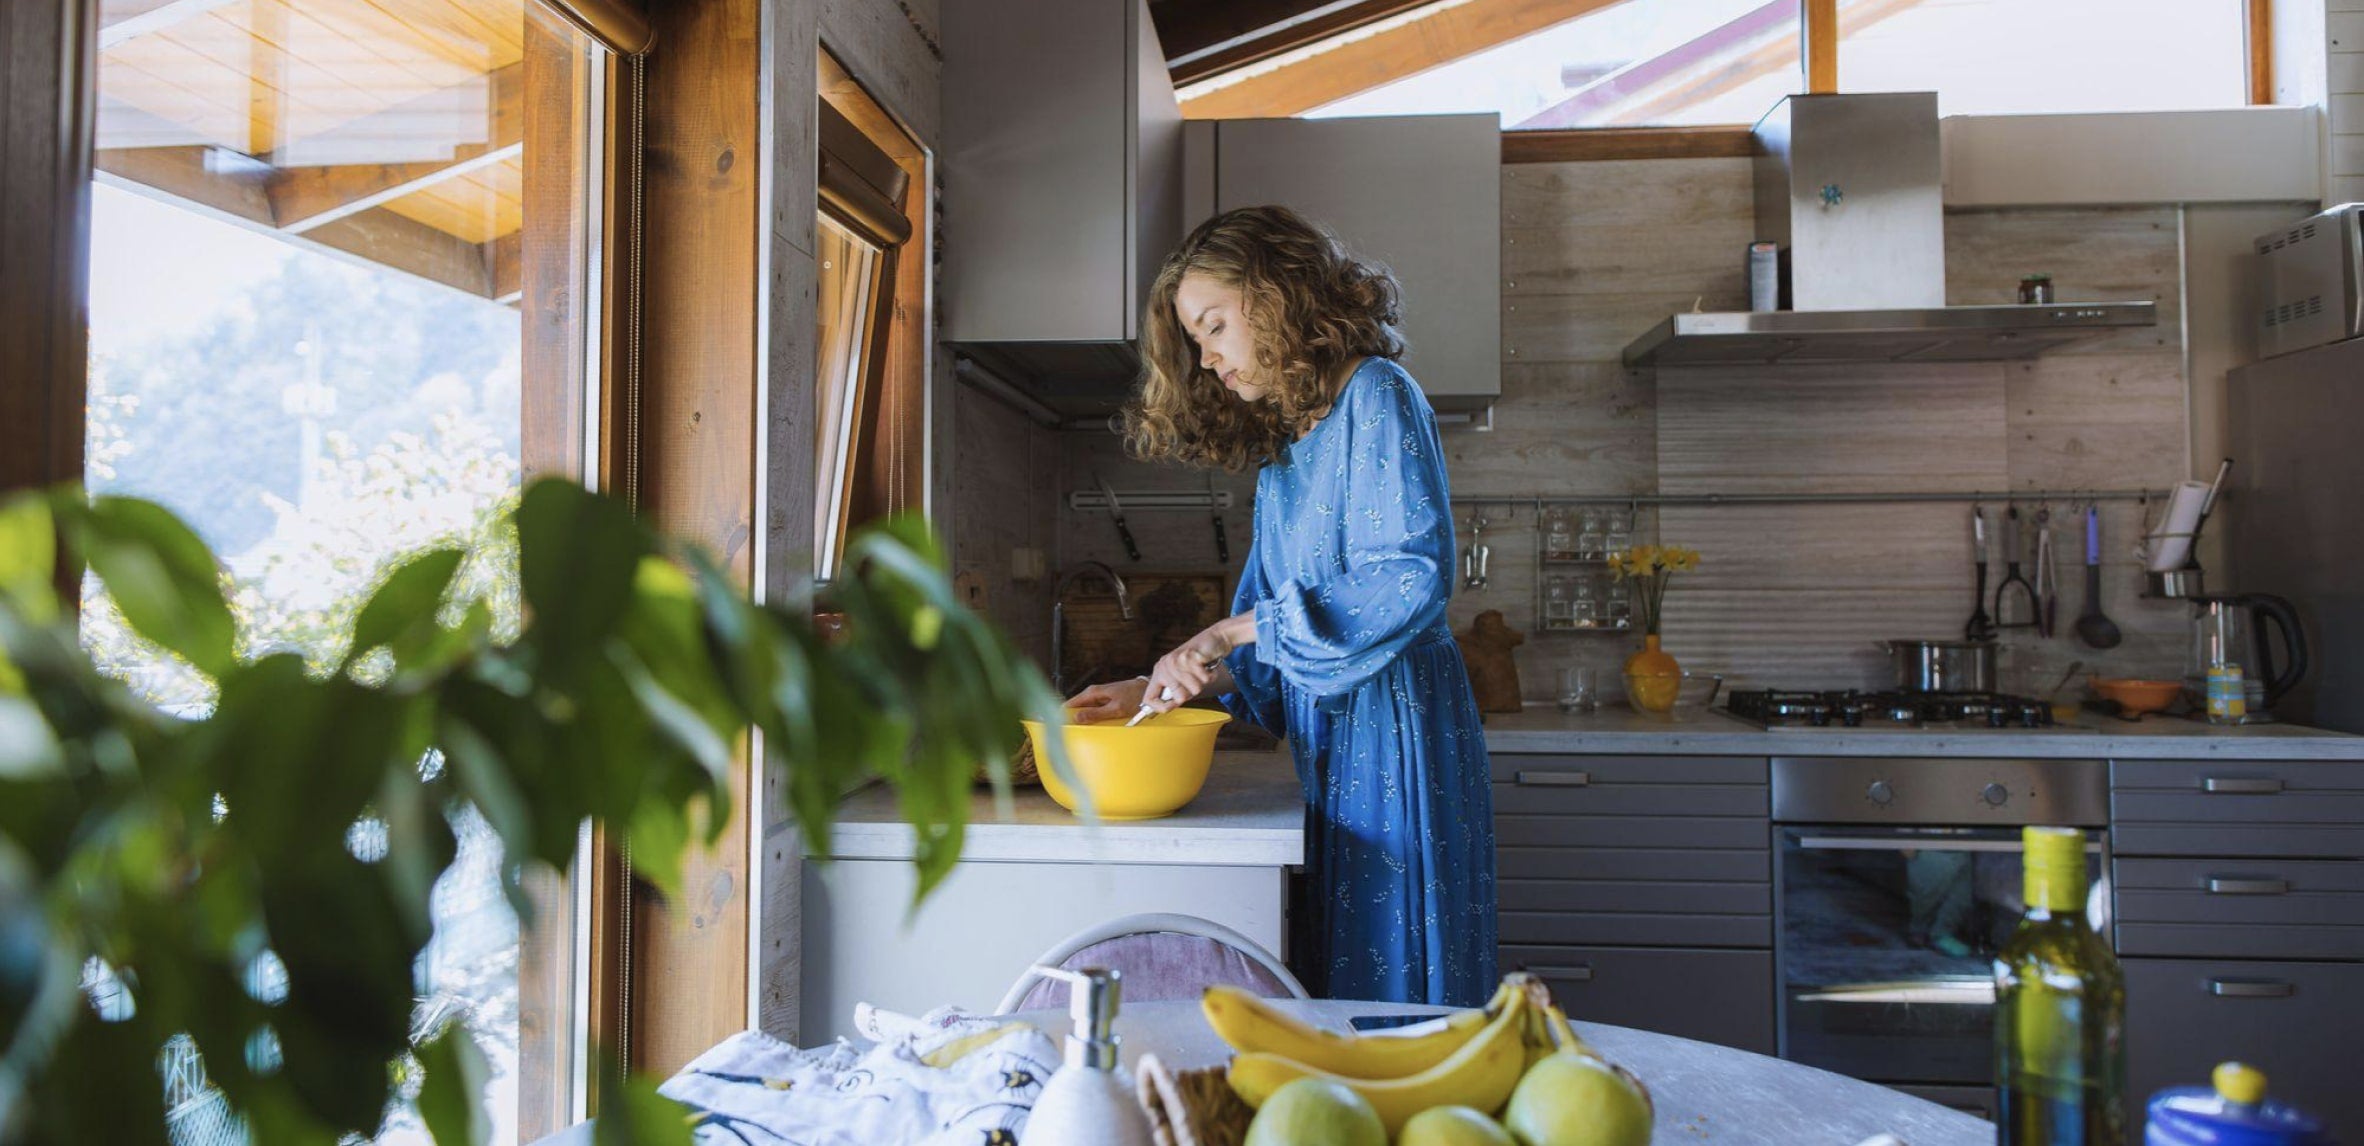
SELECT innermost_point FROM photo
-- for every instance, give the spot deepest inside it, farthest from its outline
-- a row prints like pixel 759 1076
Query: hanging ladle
pixel 2092 627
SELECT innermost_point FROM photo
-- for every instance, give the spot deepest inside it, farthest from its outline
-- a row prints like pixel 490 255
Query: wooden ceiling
pixel 388 129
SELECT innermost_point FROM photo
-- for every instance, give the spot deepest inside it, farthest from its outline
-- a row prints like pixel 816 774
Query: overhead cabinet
pixel 1062 193
pixel 1421 194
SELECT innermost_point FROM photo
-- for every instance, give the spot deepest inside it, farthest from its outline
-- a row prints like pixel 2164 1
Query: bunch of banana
pixel 1475 1061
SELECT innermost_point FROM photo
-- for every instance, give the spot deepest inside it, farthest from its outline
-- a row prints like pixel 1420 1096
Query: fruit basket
pixel 1191 1107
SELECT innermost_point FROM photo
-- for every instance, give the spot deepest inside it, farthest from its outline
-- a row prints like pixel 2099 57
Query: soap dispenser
pixel 1088 1102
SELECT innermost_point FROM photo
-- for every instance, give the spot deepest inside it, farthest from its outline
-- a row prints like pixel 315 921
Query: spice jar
pixel 2035 290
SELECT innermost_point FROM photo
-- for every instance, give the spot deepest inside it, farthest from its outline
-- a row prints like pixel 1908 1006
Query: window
pixel 869 393
pixel 1688 62
pixel 338 268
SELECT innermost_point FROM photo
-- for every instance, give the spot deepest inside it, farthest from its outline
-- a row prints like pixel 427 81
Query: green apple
pixel 1574 1099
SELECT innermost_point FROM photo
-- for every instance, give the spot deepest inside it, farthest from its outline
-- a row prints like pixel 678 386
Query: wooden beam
pixel 389 240
pixel 504 267
pixel 1188 26
pixel 120 20
pixel 1417 42
pixel 1281 40
pixel 1577 145
pixel 219 180
pixel 2260 32
pixel 47 54
pixel 1819 22
pixel 306 197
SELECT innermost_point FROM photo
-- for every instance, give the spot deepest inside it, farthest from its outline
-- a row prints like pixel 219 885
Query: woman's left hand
pixel 1186 672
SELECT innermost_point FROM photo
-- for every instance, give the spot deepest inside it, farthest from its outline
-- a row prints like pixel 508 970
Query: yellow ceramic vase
pixel 1652 678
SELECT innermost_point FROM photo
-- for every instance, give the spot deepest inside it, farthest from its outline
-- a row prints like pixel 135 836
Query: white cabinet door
pixel 986 923
pixel 1422 194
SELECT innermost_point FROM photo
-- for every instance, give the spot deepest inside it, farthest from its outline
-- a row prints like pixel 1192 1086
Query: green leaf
pixel 451 1095
pixel 578 554
pixel 632 1113
pixel 28 557
pixel 401 615
pixel 160 575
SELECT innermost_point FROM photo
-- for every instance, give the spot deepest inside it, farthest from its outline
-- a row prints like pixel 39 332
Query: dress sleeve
pixel 1394 578
pixel 1256 686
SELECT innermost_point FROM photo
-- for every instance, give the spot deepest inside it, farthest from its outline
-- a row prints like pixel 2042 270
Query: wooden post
pixel 1818 39
pixel 699 290
pixel 46 110
pixel 2261 52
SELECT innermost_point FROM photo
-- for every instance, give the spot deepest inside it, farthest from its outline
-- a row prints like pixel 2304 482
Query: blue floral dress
pixel 1349 573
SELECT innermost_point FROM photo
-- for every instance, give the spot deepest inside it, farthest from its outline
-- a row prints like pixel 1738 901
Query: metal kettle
pixel 2231 629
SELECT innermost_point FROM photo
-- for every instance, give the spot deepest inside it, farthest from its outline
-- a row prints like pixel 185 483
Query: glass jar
pixel 1620 532
pixel 1558 610
pixel 1559 541
pixel 1617 605
pixel 1586 606
pixel 1591 539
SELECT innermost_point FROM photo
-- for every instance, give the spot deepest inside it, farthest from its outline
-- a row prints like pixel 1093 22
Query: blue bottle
pixel 2232 1112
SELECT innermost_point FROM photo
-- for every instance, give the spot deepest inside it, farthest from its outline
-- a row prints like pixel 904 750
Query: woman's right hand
pixel 1104 702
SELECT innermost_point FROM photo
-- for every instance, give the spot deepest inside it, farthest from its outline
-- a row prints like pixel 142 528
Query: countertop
pixel 1618 729
pixel 1704 1093
pixel 1250 814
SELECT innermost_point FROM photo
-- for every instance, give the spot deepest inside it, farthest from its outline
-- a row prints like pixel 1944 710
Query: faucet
pixel 1124 608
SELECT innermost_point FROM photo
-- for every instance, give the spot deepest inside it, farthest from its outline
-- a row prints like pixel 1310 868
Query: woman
pixel 1268 345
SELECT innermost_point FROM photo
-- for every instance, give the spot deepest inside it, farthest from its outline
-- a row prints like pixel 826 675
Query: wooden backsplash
pixel 1595 253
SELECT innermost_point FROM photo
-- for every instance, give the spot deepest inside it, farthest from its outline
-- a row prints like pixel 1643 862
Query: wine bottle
pixel 2060 1010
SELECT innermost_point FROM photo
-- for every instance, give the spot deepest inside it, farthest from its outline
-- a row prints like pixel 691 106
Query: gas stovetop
pixel 1895 711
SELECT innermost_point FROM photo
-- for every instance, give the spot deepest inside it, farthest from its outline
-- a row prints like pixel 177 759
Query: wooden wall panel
pixel 1822 429
pixel 698 460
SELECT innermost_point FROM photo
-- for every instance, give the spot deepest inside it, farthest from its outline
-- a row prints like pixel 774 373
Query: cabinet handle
pixel 2251 988
pixel 1571 974
pixel 2241 785
pixel 1556 779
pixel 2229 885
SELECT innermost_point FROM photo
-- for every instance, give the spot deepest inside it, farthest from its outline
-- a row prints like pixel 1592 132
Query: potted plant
pixel 1652 676
pixel 173 855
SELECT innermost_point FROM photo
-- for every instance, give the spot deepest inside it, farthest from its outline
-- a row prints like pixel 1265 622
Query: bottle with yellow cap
pixel 2232 1112
pixel 2060 1010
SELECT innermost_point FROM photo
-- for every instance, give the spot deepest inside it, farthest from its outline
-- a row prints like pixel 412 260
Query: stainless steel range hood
pixel 1850 188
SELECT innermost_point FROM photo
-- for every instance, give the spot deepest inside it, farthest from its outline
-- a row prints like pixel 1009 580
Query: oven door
pixel 1886 948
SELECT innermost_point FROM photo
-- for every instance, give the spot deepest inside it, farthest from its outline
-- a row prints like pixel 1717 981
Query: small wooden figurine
pixel 1493 674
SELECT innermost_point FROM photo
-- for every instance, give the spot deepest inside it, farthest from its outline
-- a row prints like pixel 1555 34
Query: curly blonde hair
pixel 1312 307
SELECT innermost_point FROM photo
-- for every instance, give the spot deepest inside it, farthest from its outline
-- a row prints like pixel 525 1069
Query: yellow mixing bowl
pixel 1140 773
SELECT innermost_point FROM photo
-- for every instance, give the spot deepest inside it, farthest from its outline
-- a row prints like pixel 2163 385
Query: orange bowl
pixel 2136 697
pixel 1149 770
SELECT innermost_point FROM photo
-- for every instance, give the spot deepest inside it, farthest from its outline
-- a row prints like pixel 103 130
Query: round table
pixel 1705 1093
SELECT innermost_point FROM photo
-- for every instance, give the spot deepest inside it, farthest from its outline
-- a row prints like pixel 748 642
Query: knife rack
pixel 1145 500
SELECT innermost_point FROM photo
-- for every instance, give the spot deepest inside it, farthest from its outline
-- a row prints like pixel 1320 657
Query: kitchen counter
pixel 1251 814
pixel 1618 729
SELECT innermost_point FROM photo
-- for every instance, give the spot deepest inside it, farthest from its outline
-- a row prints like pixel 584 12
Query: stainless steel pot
pixel 1943 666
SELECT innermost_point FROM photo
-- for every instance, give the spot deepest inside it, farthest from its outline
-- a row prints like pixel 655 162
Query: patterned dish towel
pixel 946 1078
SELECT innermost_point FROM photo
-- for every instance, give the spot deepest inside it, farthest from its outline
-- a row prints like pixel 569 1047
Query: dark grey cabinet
pixel 2239 915
pixel 2300 1023
pixel 1421 194
pixel 1721 997
pixel 1640 889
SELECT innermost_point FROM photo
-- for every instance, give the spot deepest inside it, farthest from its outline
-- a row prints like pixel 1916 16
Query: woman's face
pixel 1210 312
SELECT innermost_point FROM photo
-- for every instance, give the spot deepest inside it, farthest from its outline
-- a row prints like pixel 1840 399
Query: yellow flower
pixel 1682 560
pixel 1644 558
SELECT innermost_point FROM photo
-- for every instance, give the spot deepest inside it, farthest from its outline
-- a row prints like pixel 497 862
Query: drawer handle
pixel 1556 779
pixel 2251 988
pixel 1571 974
pixel 2228 885
pixel 2241 785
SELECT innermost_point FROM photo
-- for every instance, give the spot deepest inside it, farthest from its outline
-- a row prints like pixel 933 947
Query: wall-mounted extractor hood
pixel 1851 189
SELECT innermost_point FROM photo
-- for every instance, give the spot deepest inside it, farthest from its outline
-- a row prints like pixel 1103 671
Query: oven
pixel 1897 879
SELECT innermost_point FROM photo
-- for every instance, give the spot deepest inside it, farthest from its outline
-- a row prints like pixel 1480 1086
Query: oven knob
pixel 1880 793
pixel 1995 795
